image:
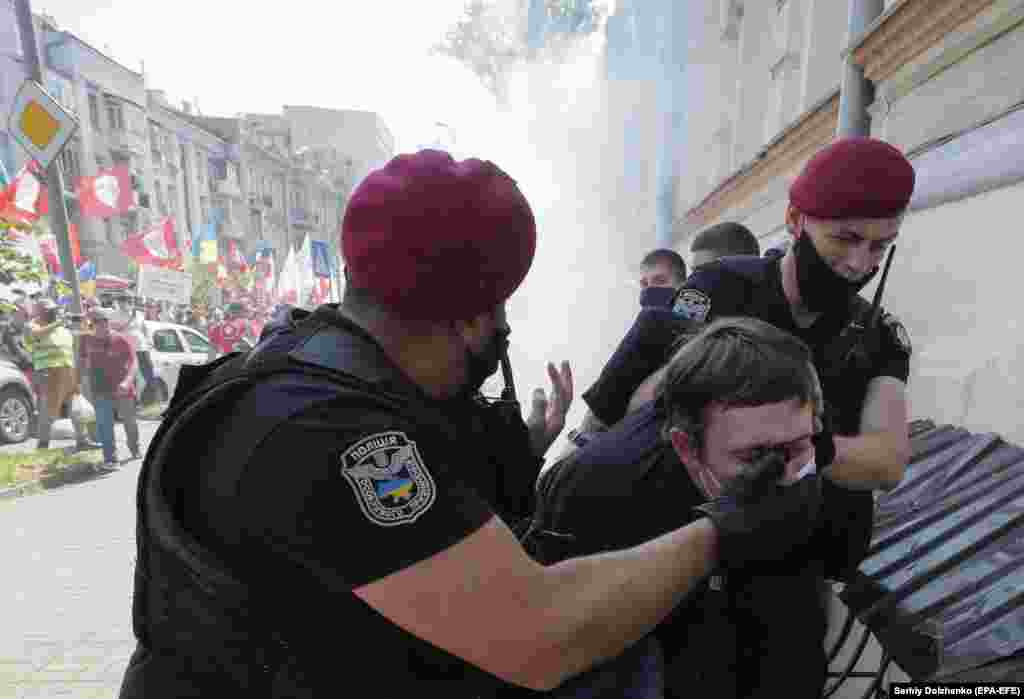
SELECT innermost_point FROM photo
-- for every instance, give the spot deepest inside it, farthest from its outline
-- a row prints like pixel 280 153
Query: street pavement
pixel 66 572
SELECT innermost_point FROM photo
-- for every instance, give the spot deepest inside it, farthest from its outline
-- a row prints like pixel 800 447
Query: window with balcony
pixel 115 115
pixel 201 167
pixel 70 165
pixel 94 111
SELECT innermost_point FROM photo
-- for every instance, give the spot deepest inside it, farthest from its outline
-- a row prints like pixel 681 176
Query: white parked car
pixel 174 345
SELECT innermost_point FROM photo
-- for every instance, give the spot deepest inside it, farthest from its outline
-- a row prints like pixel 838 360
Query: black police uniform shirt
pixel 646 346
pixel 340 495
pixel 627 486
pixel 745 286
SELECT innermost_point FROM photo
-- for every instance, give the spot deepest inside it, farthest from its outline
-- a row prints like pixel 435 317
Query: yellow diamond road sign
pixel 39 124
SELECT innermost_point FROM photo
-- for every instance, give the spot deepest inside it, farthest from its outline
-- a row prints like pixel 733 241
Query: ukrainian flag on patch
pixel 399 489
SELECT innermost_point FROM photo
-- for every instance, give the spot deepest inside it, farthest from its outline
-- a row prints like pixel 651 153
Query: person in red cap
pixel 330 481
pixel 844 213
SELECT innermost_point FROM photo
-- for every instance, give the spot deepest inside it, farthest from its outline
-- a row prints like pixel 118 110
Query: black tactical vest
pixel 205 626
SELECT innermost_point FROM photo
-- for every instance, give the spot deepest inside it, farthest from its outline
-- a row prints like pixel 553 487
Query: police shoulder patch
pixel 390 481
pixel 898 332
pixel 693 304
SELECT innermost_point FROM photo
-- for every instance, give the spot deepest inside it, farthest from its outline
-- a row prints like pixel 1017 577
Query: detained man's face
pixel 732 436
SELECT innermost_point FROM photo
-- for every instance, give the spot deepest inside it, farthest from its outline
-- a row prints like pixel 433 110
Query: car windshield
pixel 195 342
pixel 167 340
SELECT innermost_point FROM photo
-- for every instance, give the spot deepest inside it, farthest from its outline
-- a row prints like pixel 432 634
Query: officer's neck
pixel 430 359
pixel 802 316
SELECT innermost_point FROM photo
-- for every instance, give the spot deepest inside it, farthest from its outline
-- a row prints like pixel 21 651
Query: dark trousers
pixel 146 367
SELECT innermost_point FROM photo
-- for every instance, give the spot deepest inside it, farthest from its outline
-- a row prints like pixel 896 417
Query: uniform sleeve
pixel 710 293
pixel 356 503
pixel 640 353
pixel 893 357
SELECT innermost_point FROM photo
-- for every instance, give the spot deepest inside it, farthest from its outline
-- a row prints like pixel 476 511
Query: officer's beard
pixel 821 288
pixel 480 366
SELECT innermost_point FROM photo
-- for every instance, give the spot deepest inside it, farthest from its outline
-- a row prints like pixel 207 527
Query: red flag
pixel 76 245
pixel 157 246
pixel 107 194
pixel 51 251
pixel 26 199
pixel 48 246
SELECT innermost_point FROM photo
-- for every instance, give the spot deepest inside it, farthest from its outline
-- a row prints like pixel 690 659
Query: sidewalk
pixel 63 435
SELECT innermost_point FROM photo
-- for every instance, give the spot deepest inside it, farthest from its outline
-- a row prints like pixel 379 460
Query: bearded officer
pixel 845 211
pixel 321 488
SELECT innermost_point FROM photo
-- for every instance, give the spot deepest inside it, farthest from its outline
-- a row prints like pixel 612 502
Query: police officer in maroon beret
pixel 844 213
pixel 312 516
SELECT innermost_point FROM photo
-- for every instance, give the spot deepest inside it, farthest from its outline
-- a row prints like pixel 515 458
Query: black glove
pixel 759 521
pixel 824 444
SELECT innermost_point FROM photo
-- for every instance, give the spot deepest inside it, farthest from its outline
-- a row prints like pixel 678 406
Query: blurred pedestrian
pixel 110 359
pixel 56 378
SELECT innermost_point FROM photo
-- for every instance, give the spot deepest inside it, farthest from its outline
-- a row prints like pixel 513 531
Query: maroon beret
pixel 436 239
pixel 854 178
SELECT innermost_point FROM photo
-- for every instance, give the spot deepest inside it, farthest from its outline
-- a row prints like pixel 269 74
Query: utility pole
pixel 857 92
pixel 54 176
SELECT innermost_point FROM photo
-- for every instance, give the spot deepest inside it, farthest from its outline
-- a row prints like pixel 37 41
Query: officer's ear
pixel 685 446
pixel 689 452
pixel 478 330
pixel 794 224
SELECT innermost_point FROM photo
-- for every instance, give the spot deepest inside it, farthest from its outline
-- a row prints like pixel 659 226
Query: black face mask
pixel 657 296
pixel 821 288
pixel 480 366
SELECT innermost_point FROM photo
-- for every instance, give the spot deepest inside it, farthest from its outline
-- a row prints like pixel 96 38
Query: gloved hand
pixel 824 444
pixel 759 521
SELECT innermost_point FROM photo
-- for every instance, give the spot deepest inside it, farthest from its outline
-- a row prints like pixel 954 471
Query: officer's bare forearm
pixel 873 461
pixel 607 602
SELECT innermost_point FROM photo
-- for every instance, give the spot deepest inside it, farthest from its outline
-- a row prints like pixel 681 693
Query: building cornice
pixel 787 151
pixel 177 121
pixel 907 30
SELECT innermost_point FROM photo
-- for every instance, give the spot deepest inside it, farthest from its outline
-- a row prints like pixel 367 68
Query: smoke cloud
pixel 583 152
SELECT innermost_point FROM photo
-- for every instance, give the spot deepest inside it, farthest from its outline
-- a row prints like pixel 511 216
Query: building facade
pixel 363 137
pixel 948 92
pixel 193 177
pixel 111 104
pixel 260 180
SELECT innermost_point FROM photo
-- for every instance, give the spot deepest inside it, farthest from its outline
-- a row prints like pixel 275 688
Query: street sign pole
pixel 55 178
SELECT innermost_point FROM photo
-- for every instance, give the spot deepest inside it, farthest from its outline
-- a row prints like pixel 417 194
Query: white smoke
pixel 562 138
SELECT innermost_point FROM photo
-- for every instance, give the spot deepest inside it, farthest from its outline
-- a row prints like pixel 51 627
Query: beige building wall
pixel 363 136
pixel 940 67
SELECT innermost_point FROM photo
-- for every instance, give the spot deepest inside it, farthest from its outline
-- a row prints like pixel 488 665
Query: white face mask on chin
pixel 807 470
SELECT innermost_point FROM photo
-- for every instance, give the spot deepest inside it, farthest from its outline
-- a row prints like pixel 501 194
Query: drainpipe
pixel 857 92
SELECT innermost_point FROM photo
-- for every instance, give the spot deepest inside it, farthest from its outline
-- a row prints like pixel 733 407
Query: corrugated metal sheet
pixel 942 586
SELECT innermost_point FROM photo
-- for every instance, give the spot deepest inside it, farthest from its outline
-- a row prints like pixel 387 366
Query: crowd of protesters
pixel 100 371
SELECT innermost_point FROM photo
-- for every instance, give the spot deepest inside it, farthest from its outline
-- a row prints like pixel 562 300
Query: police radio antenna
pixel 876 304
pixel 509 392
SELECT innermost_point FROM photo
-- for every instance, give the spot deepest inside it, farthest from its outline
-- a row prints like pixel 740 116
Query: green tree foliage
pixel 486 43
pixel 204 283
pixel 489 42
pixel 16 266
